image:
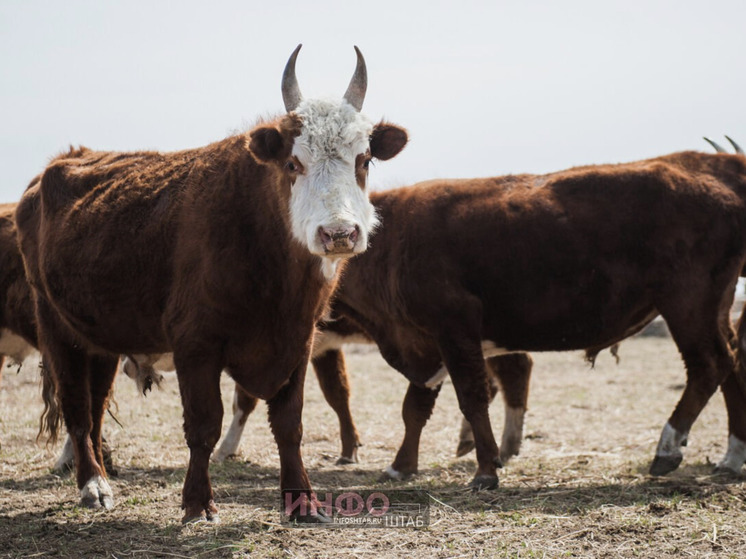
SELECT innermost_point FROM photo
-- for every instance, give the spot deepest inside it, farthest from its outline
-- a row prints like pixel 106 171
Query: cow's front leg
pixel 416 410
pixel 199 384
pixel 285 409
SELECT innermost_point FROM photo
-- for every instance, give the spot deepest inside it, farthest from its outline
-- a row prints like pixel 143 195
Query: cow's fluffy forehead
pixel 331 129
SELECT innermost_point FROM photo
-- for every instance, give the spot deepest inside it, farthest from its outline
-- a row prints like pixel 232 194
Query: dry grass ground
pixel 578 489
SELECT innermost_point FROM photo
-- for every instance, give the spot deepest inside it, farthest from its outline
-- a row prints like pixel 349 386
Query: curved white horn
pixel 290 91
pixel 717 147
pixel 735 146
pixel 355 94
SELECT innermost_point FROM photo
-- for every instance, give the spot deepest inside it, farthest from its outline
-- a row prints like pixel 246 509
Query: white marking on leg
pixel 512 432
pixel 97 493
pixel 65 459
pixel 393 474
pixel 670 442
pixel 735 457
pixel 230 443
pixel 437 379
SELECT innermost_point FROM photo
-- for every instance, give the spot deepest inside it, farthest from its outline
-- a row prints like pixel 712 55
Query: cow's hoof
pixel 480 483
pixel 391 474
pixel 725 470
pixel 344 460
pixel 97 494
pixel 193 518
pixel 212 518
pixel 464 448
pixel 510 449
pixel 220 457
pixel 318 517
pixel 195 514
pixel 663 465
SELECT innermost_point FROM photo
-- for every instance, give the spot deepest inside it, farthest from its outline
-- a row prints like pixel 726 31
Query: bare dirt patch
pixel 579 488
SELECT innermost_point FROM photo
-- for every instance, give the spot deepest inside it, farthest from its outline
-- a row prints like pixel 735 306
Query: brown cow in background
pixel 224 255
pixel 466 269
pixel 17 327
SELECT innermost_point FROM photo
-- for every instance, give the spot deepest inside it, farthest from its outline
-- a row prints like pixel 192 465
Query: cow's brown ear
pixel 387 140
pixel 267 144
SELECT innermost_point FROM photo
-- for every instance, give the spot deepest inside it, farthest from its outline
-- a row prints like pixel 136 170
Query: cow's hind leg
pixel 416 410
pixel 512 373
pixel 199 384
pixel 83 386
pixel 332 374
pixel 700 326
pixel 243 404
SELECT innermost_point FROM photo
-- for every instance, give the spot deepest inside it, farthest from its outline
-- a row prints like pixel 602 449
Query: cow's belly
pixel 579 331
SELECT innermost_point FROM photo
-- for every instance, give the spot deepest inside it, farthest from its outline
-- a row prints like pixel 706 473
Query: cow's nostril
pixel 325 235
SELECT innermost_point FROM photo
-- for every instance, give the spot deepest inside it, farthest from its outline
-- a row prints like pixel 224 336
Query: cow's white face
pixel 323 148
pixel 329 207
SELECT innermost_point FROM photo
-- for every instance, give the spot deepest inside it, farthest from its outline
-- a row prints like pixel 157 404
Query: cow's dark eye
pixel 366 163
pixel 291 167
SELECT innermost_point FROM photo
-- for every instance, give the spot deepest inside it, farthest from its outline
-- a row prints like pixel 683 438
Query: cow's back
pixel 101 231
pixel 544 253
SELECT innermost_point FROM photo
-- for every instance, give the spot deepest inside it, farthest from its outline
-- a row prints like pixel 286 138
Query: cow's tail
pixel 741 351
pixel 51 417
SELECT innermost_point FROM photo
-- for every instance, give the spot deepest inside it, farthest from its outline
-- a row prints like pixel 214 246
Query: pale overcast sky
pixel 485 88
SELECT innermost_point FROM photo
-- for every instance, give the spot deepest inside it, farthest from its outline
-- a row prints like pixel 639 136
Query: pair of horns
pixel 720 149
pixel 355 94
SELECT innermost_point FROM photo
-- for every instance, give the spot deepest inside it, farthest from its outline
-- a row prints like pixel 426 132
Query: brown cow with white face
pixel 222 255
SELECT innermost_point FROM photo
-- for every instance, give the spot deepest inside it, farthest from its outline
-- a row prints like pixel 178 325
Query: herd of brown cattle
pixel 260 252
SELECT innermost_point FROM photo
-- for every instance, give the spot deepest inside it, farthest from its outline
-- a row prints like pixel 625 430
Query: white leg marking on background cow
pixel 437 379
pixel 670 442
pixel 735 457
pixel 229 446
pixel 393 474
pixel 65 459
pixel 512 432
